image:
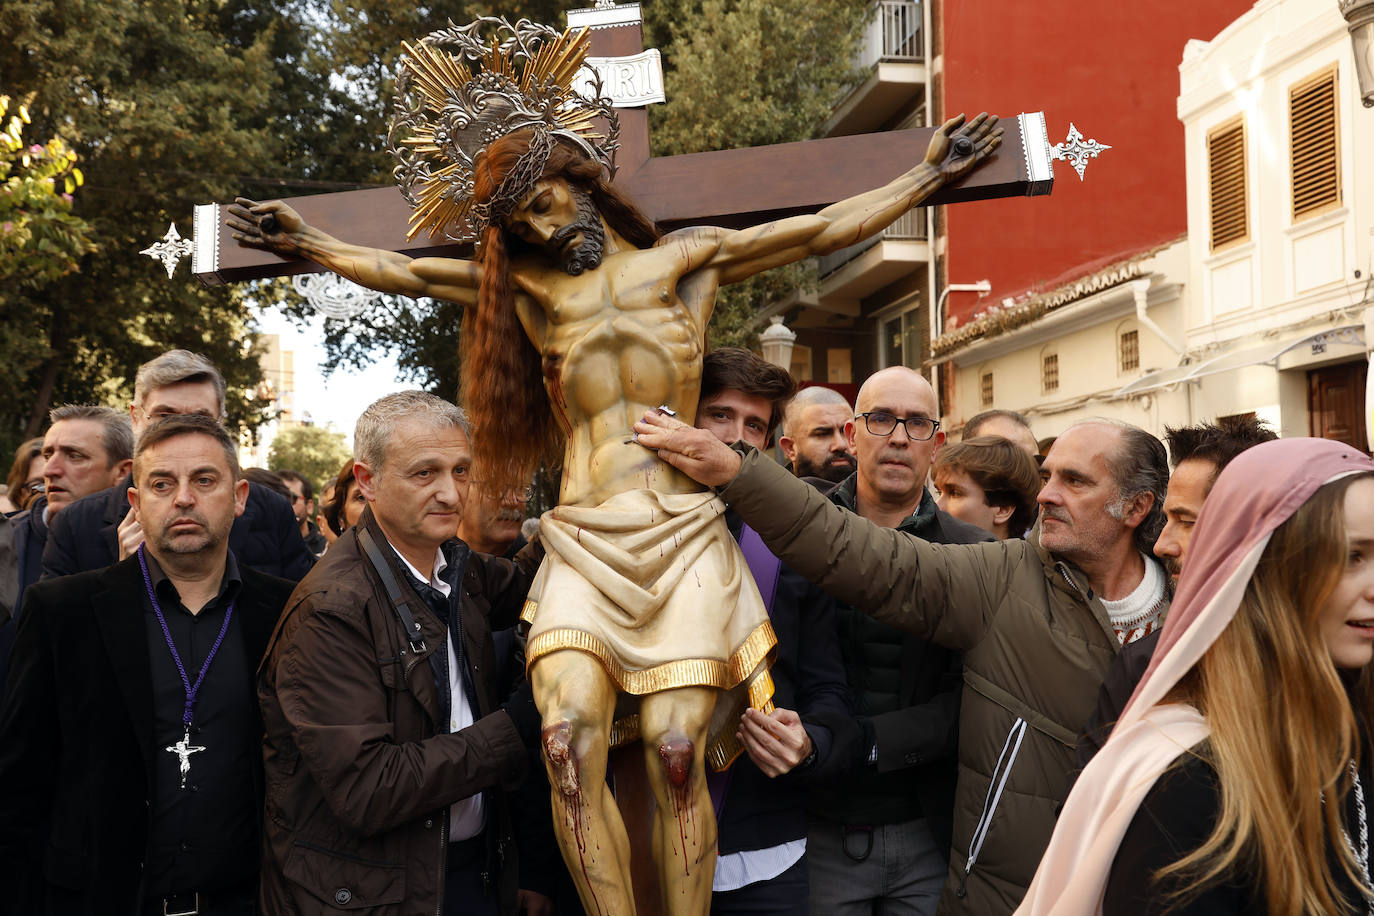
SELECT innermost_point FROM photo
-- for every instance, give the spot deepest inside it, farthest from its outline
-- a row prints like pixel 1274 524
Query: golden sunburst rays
pixel 538 76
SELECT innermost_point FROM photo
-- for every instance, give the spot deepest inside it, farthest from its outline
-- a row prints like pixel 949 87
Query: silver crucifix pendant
pixel 184 749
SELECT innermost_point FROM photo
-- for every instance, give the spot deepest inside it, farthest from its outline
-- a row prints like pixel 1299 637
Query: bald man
pixel 893 812
pixel 813 436
pixel 1008 424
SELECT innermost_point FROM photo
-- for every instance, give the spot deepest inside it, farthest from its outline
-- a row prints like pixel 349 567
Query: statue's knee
pixel 558 749
pixel 675 752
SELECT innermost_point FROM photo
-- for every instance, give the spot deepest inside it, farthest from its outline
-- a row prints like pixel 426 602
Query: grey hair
pixel 816 394
pixel 116 437
pixel 1140 464
pixel 378 423
pixel 174 367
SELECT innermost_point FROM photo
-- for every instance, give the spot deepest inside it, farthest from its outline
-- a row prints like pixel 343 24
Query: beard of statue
pixel 586 256
pixel 502 372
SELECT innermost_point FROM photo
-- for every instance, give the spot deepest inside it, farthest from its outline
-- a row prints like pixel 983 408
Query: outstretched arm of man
pixel 955 149
pixel 276 227
pixel 946 594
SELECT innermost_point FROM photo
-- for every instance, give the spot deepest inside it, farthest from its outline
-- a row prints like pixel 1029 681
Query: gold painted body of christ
pixel 579 319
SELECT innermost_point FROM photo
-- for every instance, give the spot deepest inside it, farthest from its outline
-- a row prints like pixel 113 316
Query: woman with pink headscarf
pixel 1238 778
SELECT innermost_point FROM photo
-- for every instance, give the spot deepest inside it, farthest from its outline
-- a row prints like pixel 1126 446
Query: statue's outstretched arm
pixel 276 227
pixel 955 149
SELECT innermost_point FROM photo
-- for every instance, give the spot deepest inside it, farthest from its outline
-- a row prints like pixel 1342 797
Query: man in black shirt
pixel 130 771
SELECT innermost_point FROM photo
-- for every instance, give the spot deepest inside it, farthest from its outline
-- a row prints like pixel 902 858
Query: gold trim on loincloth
pixel 721 752
pixel 687 672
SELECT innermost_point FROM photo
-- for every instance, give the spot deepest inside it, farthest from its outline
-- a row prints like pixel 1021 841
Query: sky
pixel 340 397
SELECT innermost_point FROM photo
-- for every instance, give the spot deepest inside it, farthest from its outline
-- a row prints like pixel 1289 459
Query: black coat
pixel 76 739
pixel 808 678
pixel 265 537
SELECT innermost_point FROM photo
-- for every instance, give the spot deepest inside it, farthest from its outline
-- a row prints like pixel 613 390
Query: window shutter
pixel 1315 149
pixel 986 389
pixel 1049 373
pixel 1226 182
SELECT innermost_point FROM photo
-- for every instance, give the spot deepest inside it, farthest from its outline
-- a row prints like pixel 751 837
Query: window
pixel 1314 148
pixel 1130 350
pixel 1226 184
pixel 1049 373
pixel 985 394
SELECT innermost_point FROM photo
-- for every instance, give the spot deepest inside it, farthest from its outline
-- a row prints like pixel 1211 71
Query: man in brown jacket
pixel 385 748
pixel 1039 620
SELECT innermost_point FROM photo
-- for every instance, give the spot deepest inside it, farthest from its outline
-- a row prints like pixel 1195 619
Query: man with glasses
pixel 891 814
pixel 99 530
pixel 1039 620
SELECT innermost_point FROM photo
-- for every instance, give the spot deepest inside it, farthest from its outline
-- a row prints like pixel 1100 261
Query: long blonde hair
pixel 1283 730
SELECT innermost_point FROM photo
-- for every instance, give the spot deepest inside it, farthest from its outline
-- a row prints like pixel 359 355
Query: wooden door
pixel 1335 403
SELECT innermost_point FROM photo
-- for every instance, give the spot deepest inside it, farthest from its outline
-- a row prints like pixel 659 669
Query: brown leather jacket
pixel 359 779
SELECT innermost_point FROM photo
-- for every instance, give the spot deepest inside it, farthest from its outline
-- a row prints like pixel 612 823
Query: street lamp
pixel 1359 14
pixel 777 342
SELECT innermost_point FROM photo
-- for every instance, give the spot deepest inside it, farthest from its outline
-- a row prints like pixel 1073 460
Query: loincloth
pixel 654 587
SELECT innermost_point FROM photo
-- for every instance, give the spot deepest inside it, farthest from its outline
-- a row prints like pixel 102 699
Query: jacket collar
pixel 919 523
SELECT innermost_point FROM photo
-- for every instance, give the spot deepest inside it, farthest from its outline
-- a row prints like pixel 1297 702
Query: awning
pixel 1263 355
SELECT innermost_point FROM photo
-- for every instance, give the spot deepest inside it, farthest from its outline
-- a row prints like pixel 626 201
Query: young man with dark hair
pixel 736 385
pixel 130 761
pixel 762 864
pixel 990 482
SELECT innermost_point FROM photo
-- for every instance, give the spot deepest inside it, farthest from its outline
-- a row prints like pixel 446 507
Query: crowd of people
pixel 1006 678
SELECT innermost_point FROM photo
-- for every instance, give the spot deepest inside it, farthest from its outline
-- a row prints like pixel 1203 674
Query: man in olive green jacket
pixel 1039 620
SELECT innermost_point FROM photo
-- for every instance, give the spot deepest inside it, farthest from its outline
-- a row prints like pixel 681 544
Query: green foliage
pixel 749 73
pixel 167 103
pixel 316 452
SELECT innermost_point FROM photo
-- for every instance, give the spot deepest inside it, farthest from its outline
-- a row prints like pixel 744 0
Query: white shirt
pixel 467 817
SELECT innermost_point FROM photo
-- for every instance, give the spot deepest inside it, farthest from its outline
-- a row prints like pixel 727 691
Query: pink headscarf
pixel 1257 492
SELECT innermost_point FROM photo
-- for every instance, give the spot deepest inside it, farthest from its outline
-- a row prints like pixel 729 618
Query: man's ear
pixel 789 448
pixel 367 481
pixel 1138 508
pixel 1001 515
pixel 119 470
pixel 849 428
pixel 132 495
pixel 240 496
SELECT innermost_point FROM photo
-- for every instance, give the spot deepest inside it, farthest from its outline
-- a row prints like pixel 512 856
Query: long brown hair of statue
pixel 503 390
pixel 1283 730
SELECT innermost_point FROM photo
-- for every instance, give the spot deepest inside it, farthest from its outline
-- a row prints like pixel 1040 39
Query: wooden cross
pixel 730 188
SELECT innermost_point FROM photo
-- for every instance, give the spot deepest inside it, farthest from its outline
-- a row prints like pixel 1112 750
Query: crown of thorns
pixel 460 89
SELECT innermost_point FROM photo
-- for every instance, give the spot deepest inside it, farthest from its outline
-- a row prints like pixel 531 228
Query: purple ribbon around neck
pixel 191 690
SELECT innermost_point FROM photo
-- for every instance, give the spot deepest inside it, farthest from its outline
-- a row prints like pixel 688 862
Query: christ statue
pixel 579 317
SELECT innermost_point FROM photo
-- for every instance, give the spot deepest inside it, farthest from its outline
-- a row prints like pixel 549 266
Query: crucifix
pixel 184 749
pixel 580 315
pixel 729 188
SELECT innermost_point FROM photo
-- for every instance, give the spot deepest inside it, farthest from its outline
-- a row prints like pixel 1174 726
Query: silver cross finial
pixel 170 250
pixel 1076 151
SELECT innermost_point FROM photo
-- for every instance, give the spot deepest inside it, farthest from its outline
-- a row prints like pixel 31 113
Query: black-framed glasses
pixel 882 423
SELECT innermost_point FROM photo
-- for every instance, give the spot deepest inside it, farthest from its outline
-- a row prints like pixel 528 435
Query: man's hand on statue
pixel 129 534
pixel 957 148
pixel 270 225
pixel 777 742
pixel 532 903
pixel 695 452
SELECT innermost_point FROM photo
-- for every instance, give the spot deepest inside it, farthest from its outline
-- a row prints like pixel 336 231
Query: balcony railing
pixel 911 225
pixel 894 34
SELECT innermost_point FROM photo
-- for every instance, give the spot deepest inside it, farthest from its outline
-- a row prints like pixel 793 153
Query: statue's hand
pixel 271 225
pixel 957 148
